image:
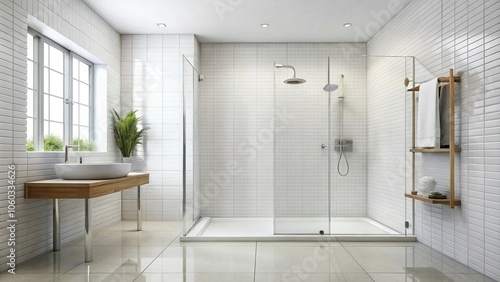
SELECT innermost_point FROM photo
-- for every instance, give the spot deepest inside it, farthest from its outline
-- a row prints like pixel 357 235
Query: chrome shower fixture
pixel 294 80
pixel 330 87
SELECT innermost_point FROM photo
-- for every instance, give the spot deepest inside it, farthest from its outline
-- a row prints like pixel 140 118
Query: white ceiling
pixel 240 20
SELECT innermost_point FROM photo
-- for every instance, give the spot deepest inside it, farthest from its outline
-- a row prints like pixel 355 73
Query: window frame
pixel 73 55
pixel 39 94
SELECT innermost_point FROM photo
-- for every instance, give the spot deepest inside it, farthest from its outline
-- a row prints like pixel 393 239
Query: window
pixel 59 97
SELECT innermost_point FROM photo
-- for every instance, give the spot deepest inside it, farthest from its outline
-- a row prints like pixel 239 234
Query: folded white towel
pixel 428 129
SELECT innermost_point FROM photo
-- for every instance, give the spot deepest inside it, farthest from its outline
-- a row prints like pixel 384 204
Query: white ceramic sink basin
pixel 92 171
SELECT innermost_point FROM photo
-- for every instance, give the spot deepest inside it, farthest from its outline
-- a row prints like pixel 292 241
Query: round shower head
pixel 294 80
pixel 330 87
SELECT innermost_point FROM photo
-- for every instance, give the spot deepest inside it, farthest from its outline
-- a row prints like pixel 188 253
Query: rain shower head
pixel 293 80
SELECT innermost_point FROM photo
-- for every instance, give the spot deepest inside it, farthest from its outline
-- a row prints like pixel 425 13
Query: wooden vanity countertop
pixel 82 189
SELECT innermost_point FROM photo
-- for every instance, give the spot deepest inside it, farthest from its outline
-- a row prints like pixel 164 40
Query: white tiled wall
pixel 464 35
pixel 78 23
pixel 236 122
pixel 152 70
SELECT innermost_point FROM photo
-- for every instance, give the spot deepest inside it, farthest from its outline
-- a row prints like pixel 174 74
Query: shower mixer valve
pixel 346 145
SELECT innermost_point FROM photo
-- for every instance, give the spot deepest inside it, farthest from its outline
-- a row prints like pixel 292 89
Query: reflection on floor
pixel 156 254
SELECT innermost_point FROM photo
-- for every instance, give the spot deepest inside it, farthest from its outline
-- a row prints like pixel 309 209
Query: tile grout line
pixel 368 274
pixel 255 263
pixel 169 244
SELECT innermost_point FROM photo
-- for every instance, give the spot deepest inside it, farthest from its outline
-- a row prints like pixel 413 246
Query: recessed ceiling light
pixel 264 25
pixel 161 25
pixel 347 24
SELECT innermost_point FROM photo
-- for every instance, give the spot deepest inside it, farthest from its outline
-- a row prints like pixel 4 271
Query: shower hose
pixel 342 143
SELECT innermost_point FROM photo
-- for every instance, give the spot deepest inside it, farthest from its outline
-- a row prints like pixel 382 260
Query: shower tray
pixel 261 229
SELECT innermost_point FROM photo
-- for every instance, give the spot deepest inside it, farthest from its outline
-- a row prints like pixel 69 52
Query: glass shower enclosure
pixel 340 139
pixel 337 166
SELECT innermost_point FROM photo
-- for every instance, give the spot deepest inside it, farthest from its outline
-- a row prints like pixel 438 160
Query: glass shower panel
pixel 387 145
pixel 301 194
pixel 195 140
pixel 191 210
pixel 410 75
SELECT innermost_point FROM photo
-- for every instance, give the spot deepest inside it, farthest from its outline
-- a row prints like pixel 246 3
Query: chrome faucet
pixel 66 151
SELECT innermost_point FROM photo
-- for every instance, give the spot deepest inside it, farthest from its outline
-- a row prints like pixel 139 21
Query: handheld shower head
pixel 330 87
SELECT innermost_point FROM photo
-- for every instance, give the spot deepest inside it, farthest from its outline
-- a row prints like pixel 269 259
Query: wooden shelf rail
pixel 443 79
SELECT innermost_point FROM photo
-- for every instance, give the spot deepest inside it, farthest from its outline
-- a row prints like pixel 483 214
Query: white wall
pixel 236 117
pixel 78 23
pixel 464 35
pixel 152 73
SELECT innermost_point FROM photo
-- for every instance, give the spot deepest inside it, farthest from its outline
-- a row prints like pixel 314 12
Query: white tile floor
pixel 156 254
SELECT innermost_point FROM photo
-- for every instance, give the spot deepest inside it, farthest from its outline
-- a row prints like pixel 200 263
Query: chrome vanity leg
pixel 88 231
pixel 56 232
pixel 139 214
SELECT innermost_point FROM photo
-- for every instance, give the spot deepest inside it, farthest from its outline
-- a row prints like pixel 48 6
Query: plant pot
pixel 127 160
pixel 137 163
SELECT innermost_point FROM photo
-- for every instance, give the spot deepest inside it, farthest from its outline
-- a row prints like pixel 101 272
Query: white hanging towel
pixel 428 128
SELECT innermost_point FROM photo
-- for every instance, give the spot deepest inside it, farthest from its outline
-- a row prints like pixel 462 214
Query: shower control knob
pixel 321 232
pixel 323 146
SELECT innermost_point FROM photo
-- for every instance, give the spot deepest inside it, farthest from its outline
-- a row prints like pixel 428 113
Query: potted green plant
pixel 127 133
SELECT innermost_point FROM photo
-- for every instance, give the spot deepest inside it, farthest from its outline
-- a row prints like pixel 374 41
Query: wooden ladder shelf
pixel 452 202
